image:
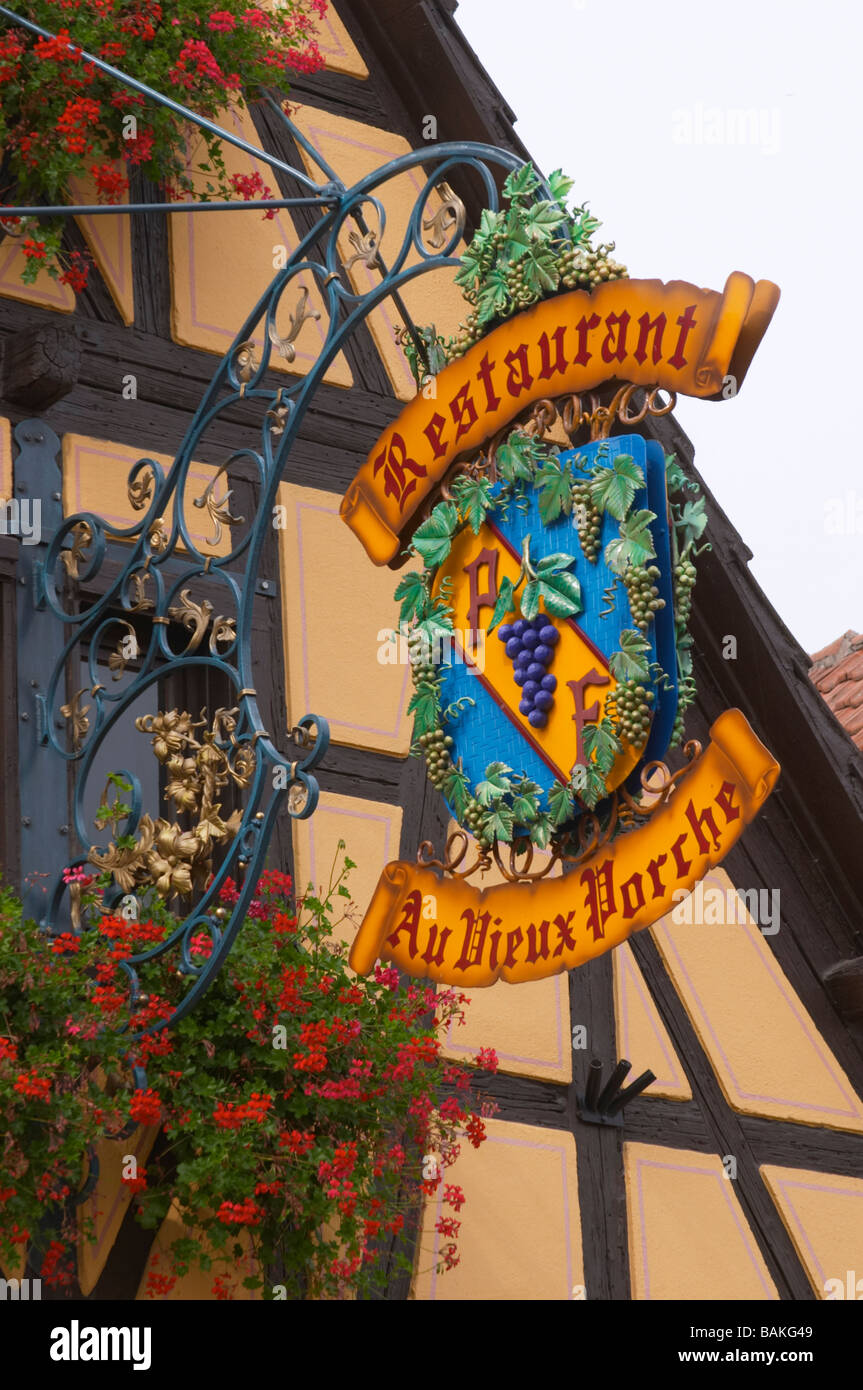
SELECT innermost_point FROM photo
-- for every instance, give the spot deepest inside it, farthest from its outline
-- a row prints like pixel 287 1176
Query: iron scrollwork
pixel 168 568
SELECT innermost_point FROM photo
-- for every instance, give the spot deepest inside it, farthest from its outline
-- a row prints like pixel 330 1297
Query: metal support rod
pixel 120 209
pixel 611 1086
pixel 161 100
pixel 629 1092
pixel 594 1077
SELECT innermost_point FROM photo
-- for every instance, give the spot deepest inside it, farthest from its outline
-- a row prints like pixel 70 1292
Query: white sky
pixel 598 87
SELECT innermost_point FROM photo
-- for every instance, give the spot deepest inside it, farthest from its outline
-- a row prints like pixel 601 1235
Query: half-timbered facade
pixel 738 1174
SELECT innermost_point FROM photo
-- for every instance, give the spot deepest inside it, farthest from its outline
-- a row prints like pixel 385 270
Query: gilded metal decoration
pixel 81 542
pixel 76 714
pixel 302 314
pixel 366 249
pixel 176 859
pixel 140 489
pixel 158 536
pixel 139 581
pixel 195 617
pixel 449 219
pixel 125 651
pixel 217 508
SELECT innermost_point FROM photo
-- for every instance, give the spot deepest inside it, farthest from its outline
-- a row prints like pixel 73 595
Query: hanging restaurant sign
pixel 445 929
pixel 547 620
pixel 690 341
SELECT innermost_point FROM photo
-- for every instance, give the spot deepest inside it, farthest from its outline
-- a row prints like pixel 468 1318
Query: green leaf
pixel 589 784
pixel 540 832
pixel 675 478
pixel 630 663
pixel 543 217
pixel 636 530
pixel 560 185
pixel 613 488
pixel 540 270
pixel 561 594
pixel 505 602
pixel 433 539
pixel 524 809
pixel 424 706
pixel 601 743
pixel 513 459
pixel 634 544
pixel 494 297
pixel 456 789
pixel 554 483
pixel 495 784
pixel 412 594
pixel 499 822
pixel 690 522
pixel 437 621
pixel 521 184
pixel 561 803
pixel 560 560
pixel 473 498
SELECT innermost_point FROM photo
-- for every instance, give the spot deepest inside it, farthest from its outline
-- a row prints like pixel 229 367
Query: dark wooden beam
pixel 38 367
pixel 599 1148
pixel 728 1134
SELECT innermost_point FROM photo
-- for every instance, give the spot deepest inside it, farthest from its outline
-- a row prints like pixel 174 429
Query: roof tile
pixel 837 673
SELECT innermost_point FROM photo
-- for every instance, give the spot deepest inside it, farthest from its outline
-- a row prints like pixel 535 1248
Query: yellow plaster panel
pixel 108 1204
pixel 823 1214
pixel 520 1237
pixel 95 479
pixel 339 50
pixel 767 1053
pixel 198 1284
pixel 642 1037
pixel 334 605
pixel 354 150
pixel 371 831
pixel 688 1236
pixel 221 264
pixel 527 1025
pixel 6 480
pixel 47 293
pixel 110 240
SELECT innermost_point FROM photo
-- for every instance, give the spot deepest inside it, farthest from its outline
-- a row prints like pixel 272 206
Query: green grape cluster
pixel 580 268
pixel 632 714
pixel 684 582
pixel 469 332
pixel 519 290
pixel 588 519
pixel 436 746
pixel 473 818
pixel 678 732
pixel 419 648
pixel 642 593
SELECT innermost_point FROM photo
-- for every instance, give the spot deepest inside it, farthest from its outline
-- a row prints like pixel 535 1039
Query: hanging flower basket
pixel 62 120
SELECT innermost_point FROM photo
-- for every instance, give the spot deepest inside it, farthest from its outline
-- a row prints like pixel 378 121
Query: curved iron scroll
pixel 166 568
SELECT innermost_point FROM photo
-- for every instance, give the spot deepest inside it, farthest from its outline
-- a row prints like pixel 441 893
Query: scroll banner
pixel 440 928
pixel 684 339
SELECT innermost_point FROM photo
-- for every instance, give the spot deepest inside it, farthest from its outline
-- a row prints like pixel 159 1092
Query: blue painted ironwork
pixel 161 547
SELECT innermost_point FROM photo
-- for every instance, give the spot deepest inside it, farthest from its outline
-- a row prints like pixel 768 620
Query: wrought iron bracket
pixel 42 779
pixel 169 580
pixel 604 1106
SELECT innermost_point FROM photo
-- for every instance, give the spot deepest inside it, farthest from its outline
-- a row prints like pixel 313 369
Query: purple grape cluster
pixel 530 644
